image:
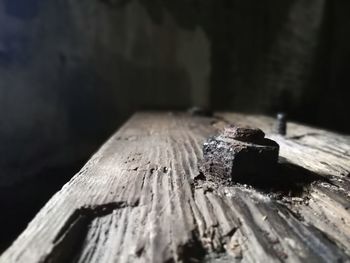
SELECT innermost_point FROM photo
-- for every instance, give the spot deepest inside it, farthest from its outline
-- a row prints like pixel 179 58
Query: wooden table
pixel 137 200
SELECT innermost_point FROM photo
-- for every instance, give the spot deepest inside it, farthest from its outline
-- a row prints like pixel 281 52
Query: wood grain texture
pixel 139 199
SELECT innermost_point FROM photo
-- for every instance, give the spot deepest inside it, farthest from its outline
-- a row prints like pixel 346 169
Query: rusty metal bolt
pixel 199 111
pixel 237 152
pixel 246 134
pixel 281 123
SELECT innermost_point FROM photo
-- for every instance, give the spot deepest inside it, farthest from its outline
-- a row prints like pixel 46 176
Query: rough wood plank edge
pixel 136 201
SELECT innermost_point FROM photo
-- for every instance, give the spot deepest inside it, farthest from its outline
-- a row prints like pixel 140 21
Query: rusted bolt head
pixel 238 151
pixel 246 134
pixel 199 111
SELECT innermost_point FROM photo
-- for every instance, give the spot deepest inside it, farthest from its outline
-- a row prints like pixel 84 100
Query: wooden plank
pixel 139 200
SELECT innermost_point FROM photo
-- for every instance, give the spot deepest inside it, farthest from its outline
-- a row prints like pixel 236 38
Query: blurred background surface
pixel 71 71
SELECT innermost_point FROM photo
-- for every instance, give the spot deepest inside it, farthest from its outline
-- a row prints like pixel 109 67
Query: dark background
pixel 71 71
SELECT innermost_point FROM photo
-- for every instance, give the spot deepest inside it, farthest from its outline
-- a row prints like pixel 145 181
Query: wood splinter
pixel 238 152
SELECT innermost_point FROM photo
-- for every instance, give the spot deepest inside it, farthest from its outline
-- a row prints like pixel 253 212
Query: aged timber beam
pixel 141 198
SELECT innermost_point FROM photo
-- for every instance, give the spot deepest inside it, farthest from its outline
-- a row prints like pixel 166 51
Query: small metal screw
pixel 281 123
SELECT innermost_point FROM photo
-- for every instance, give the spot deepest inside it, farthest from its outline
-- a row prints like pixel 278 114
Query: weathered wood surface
pixel 139 199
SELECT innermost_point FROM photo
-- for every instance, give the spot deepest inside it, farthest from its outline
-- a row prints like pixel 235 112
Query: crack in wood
pixel 69 239
pixel 91 212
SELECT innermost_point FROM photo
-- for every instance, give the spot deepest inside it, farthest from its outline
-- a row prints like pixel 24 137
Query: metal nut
pixel 237 152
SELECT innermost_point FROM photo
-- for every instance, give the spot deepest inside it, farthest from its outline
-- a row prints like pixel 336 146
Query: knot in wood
pixel 238 152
